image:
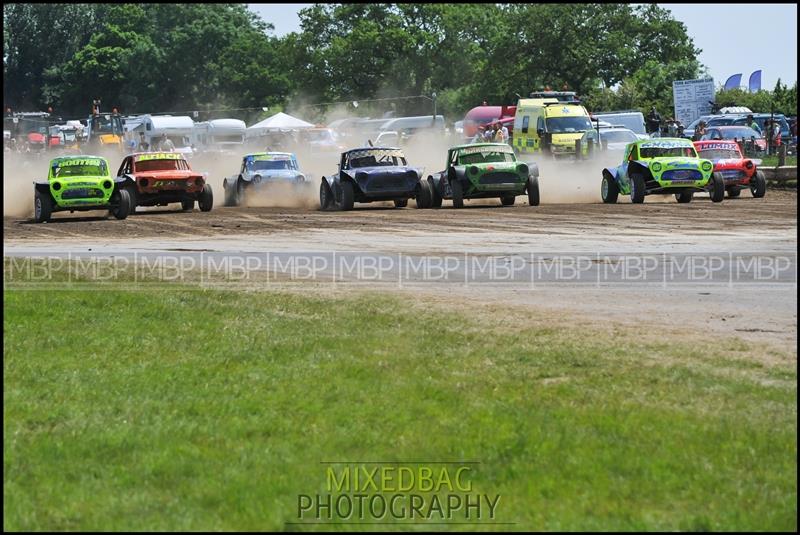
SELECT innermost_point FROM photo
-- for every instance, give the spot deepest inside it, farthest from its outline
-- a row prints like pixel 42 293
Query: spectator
pixel 752 123
pixel 672 127
pixel 498 134
pixel 776 135
pixel 166 144
pixel 700 131
pixel 505 134
pixel 144 146
pixel 653 121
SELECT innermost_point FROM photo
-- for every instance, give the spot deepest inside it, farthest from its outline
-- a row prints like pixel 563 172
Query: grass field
pixel 193 409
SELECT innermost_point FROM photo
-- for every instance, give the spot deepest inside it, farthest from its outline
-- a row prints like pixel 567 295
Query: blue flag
pixel 755 81
pixel 733 82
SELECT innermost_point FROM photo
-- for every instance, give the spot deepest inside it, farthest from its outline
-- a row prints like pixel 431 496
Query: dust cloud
pixel 20 170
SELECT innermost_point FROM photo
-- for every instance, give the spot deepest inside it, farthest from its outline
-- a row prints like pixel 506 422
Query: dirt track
pixel 775 214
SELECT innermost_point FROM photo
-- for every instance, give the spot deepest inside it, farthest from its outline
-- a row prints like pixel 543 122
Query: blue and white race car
pixel 260 169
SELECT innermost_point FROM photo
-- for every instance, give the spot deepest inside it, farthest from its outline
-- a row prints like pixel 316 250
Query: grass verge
pixel 191 409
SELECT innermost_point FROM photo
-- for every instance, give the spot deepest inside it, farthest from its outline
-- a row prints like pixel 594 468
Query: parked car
pixel 258 170
pixel 161 178
pixel 616 138
pixel 373 174
pixel 661 166
pixel 484 170
pixel 740 119
pixel 79 183
pixel 737 171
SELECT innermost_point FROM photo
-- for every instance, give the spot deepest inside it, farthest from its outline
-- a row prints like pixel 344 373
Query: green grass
pixel 772 161
pixel 193 409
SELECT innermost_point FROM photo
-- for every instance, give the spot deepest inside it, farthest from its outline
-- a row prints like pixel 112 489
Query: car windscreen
pixel 633 122
pixel 661 152
pixel 90 167
pixel 739 133
pixel 487 156
pixel 720 121
pixel 160 165
pixel 562 125
pixel 373 158
pixel 273 165
pixel 719 154
pixel 618 136
pixel 762 120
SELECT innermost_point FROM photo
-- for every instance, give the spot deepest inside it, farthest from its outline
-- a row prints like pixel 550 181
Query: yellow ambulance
pixel 549 125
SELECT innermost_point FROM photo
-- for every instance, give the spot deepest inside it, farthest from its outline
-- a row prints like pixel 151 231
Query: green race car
pixel 662 166
pixel 80 183
pixel 484 170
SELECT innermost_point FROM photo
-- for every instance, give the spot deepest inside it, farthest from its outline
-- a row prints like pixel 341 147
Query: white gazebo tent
pixel 279 121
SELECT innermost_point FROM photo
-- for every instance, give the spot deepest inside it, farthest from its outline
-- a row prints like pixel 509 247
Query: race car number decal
pixel 79 161
pixel 160 156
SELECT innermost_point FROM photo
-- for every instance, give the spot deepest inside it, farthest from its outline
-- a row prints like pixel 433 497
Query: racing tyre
pixel 326 201
pixel 400 203
pixel 758 185
pixel 609 190
pixel 187 205
pixel 206 200
pixel 42 207
pixel 122 202
pixel 734 192
pixel 637 189
pixel 348 196
pixel 458 194
pixel 436 199
pixel 684 197
pixel 508 200
pixel 424 195
pixel 133 198
pixel 533 190
pixel 229 195
pixel 717 191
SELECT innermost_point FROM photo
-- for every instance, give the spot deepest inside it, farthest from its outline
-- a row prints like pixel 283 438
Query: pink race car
pixel 737 171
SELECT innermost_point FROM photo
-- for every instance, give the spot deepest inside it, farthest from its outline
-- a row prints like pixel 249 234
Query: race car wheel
pixel 132 195
pixel 436 198
pixel 42 207
pixel 508 200
pixel 717 191
pixel 187 205
pixel 758 185
pixel 637 189
pixel 684 197
pixel 734 192
pixel 348 196
pixel 326 200
pixel 609 190
pixel 424 196
pixel 400 203
pixel 239 197
pixel 458 194
pixel 229 195
pixel 206 200
pixel 533 190
pixel 121 204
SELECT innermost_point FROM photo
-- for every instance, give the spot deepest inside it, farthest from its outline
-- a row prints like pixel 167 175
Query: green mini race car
pixel 662 166
pixel 80 183
pixel 484 170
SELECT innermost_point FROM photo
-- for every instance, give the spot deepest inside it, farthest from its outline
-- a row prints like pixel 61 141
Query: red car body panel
pixel 735 171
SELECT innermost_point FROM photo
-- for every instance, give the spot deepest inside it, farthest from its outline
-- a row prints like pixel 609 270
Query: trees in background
pixel 159 57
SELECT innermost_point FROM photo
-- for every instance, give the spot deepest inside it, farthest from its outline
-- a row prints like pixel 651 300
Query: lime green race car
pixel 80 183
pixel 662 166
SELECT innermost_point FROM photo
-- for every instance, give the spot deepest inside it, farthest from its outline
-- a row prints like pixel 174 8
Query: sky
pixel 735 38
